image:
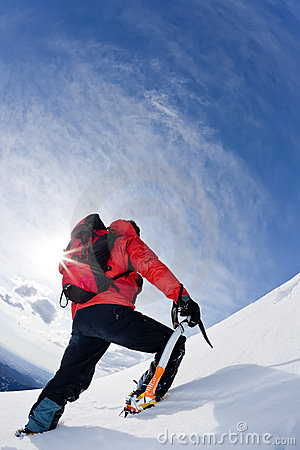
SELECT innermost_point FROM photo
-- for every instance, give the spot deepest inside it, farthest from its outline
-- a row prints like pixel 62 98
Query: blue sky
pixel 183 115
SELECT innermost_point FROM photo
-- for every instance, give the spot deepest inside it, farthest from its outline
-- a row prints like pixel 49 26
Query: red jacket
pixel 129 248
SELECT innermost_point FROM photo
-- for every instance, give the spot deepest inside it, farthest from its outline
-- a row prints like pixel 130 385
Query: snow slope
pixel 249 383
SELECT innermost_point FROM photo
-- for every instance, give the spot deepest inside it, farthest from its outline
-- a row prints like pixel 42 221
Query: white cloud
pixel 25 291
pixel 88 139
pixel 10 300
pixel 92 127
pixel 45 309
pixel 26 296
pixel 83 131
pixel 33 326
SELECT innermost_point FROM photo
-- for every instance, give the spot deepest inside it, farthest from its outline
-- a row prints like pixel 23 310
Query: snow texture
pixel 248 385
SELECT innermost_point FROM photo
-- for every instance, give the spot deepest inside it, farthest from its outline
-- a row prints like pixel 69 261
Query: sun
pixel 47 254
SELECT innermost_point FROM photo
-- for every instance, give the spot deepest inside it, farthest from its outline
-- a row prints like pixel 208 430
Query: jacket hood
pixel 123 227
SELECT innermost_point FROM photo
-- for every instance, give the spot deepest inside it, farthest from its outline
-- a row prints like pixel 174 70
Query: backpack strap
pixel 60 299
pixel 121 275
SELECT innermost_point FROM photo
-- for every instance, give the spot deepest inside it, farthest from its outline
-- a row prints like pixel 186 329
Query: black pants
pixel 94 328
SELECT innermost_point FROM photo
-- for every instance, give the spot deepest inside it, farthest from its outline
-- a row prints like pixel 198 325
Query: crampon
pixel 135 404
pixel 24 432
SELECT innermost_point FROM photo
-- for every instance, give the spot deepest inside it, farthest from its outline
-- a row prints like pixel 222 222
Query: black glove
pixel 189 308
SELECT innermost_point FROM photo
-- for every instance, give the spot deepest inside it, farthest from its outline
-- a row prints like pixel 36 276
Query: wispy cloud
pixel 36 329
pixel 89 143
pixel 91 126
pixel 45 309
pixel 26 297
pixel 10 300
pixel 31 323
pixel 25 291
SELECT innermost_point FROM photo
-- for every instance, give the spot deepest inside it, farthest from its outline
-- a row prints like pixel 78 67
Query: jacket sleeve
pixel 146 262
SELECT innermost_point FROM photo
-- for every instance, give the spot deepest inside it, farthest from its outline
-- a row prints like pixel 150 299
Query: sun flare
pixel 48 253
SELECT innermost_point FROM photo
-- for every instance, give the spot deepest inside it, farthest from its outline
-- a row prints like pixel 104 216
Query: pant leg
pixel 148 335
pixel 170 371
pixel 94 328
pixel 128 328
pixel 123 326
pixel 73 377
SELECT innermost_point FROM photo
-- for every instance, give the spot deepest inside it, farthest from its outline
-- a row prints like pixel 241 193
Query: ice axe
pixel 180 328
pixel 135 405
pixel 174 315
